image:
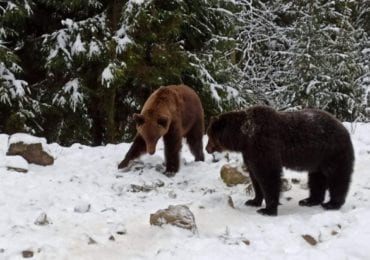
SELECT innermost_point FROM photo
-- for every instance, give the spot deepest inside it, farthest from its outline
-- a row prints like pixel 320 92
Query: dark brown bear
pixel 173 112
pixel 308 140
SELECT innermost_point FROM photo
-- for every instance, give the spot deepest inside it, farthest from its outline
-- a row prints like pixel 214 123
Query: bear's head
pixel 224 132
pixel 151 127
pixel 214 132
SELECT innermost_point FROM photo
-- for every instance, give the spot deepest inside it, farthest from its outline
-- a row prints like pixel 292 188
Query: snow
pixel 138 2
pixel 61 44
pixel 78 47
pixel 69 23
pixel 214 93
pixel 72 89
pixel 18 88
pixel 11 87
pixel 311 85
pixel 26 139
pixel 92 212
pixel 14 162
pixel 28 7
pixel 107 75
pixel 365 51
pixel 2 35
pixel 11 6
pixel 94 49
pixel 122 43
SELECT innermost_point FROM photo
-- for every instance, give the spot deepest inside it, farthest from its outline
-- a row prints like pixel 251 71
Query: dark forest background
pixel 76 70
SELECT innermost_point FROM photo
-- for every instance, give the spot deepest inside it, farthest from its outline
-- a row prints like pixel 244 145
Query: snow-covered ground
pixel 94 212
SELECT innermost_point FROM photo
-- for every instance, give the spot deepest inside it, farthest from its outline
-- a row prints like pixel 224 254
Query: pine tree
pixel 212 45
pixel 106 64
pixel 321 64
pixel 361 20
pixel 261 39
pixel 76 70
pixel 14 91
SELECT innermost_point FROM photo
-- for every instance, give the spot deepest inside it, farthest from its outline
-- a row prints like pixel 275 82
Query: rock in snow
pixel 233 175
pixel 30 148
pixel 82 208
pixel 88 175
pixel 285 185
pixel 42 220
pixel 179 215
pixel 27 253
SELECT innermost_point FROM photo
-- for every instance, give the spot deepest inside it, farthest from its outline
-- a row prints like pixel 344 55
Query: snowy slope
pixel 94 212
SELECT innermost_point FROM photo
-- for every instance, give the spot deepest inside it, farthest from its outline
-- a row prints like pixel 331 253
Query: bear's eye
pixel 139 119
pixel 162 122
pixel 140 122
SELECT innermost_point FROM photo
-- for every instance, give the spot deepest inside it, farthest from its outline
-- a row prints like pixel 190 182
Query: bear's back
pixel 312 136
pixel 179 103
pixel 172 97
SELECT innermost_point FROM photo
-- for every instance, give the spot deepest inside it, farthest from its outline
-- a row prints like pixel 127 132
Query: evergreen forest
pixel 76 70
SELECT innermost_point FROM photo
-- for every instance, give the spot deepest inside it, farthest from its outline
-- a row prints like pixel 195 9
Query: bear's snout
pixel 209 148
pixel 150 149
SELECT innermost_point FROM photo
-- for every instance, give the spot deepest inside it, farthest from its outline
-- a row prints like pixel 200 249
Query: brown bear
pixel 173 112
pixel 308 140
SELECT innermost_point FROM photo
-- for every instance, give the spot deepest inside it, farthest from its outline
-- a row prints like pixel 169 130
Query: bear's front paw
pixel 268 211
pixel 171 170
pixel 123 164
pixel 309 202
pixel 253 203
pixel 169 174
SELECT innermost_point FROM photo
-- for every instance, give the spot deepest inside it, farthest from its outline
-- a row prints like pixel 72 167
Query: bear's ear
pixel 139 119
pixel 213 119
pixel 215 125
pixel 162 121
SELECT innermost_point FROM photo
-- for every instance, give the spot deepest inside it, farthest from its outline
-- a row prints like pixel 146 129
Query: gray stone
pixel 233 175
pixel 82 208
pixel 285 185
pixel 179 215
pixel 146 187
pixel 27 253
pixel 310 240
pixel 33 153
pixel 42 220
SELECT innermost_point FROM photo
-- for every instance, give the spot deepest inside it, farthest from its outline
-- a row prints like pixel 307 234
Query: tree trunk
pixel 111 115
pixel 114 11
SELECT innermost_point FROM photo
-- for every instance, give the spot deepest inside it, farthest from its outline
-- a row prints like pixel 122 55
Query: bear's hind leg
pixel 338 187
pixel 194 138
pixel 317 185
pixel 137 148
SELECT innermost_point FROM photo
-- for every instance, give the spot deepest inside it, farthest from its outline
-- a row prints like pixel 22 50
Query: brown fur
pixel 308 140
pixel 171 112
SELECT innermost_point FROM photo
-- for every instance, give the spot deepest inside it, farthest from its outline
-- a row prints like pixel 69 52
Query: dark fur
pixel 173 112
pixel 308 140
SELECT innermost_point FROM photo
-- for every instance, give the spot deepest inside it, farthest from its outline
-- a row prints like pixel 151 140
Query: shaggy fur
pixel 172 112
pixel 308 140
